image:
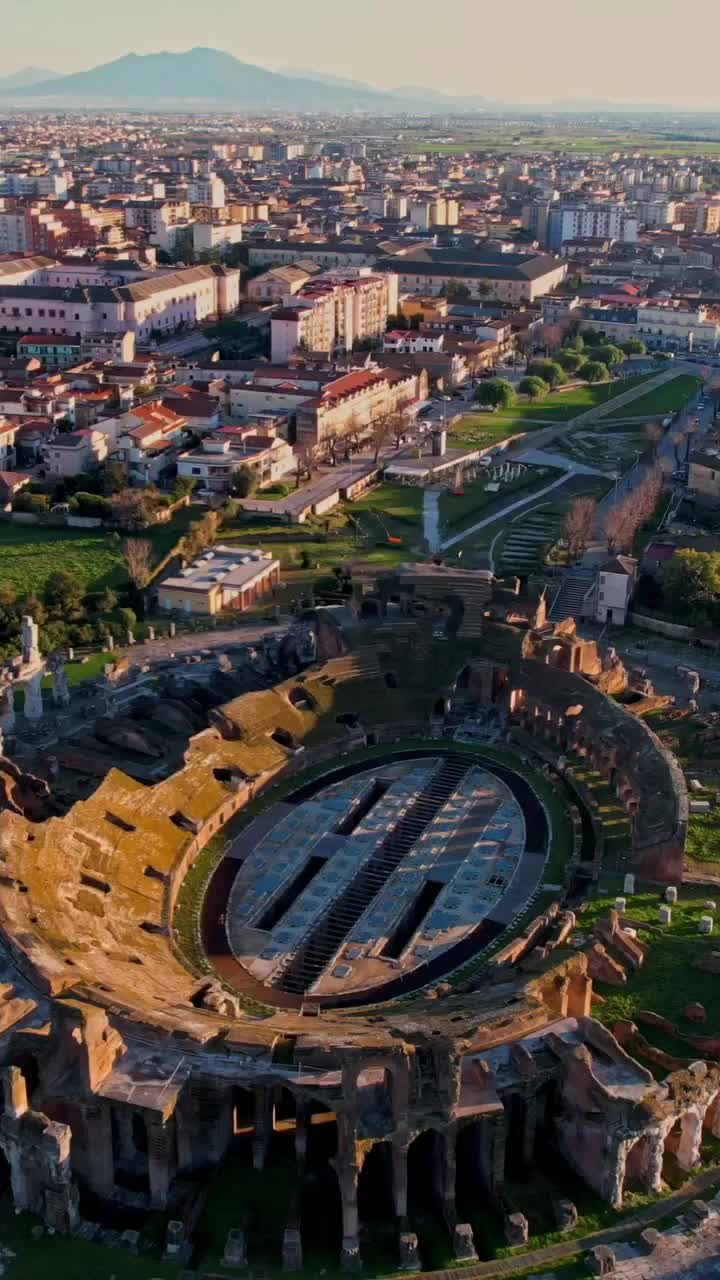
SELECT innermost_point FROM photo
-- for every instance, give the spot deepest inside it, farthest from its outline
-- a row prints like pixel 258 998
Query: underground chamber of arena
pixel 376 878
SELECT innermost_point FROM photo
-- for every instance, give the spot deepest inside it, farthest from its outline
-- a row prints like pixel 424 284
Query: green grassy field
pixel 477 501
pixel 669 978
pixel 482 430
pixel 523 140
pixel 30 553
pixel 563 406
pixel 665 399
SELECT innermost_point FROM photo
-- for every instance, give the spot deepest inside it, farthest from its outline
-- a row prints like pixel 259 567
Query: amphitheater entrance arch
pixel 427 1172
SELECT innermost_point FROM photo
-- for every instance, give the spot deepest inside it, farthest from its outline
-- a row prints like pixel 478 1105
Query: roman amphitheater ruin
pixel 301 911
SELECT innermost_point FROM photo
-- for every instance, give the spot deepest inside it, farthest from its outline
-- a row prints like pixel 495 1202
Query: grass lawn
pixel 478 501
pixel 668 980
pixel 482 430
pixel 668 398
pixel 356 533
pixel 30 553
pixel 563 406
pixel 68 1258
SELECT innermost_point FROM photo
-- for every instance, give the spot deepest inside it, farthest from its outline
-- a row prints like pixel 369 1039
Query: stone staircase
pixel 573 588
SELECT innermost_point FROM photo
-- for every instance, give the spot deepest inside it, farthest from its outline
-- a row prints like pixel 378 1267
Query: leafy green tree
pixel 634 347
pixel 456 291
pixel 551 371
pixel 594 371
pixel 570 361
pixel 244 482
pixel 65 589
pixel 591 338
pixel 533 388
pixel 575 342
pixel 608 354
pixel 497 392
pixel 691 581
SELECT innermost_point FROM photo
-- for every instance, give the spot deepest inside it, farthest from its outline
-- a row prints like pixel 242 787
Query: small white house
pixel 608 600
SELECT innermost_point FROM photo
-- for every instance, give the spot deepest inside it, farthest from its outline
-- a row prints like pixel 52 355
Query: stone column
pixel 161 1159
pixel 263 1125
pixel 100 1165
pixel 653 1169
pixel 688 1151
pixel 613 1180
pixel 446 1154
pixel 33 697
pixel 124 1133
pixel 493 1133
pixel 348 1174
pixel 399 1152
pixel 529 1129
pixel 302 1126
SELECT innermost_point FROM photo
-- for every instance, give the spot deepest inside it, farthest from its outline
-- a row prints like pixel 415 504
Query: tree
pixel 533 388
pixel 183 486
pixel 456 291
pixel 137 554
pixel 575 342
pixel 497 392
pixel 570 361
pixel 620 526
pixel 112 478
pixel 591 338
pixel 134 508
pixel 64 589
pixel 594 371
pixel 633 347
pixel 244 482
pixel 578 525
pixel 400 423
pixel 607 353
pixel 691 581
pixel 551 371
pixel 380 430
pixel 654 434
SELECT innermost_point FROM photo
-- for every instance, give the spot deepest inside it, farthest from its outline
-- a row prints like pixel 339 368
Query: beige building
pixel 223 578
pixel 704 473
pixel 75 453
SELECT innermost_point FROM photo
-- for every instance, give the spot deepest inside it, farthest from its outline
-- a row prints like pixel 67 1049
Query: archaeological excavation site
pixel 309 948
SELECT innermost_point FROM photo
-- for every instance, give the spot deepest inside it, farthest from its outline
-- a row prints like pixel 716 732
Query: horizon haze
pixel 645 54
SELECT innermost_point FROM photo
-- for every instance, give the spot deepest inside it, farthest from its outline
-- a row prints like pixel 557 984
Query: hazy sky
pixel 623 50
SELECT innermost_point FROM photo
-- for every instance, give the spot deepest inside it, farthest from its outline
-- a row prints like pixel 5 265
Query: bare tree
pixel 380 429
pixel 400 422
pixel 621 525
pixel 654 434
pixel 578 526
pixel 137 554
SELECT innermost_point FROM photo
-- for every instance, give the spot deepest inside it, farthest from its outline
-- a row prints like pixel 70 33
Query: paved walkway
pixel 431 517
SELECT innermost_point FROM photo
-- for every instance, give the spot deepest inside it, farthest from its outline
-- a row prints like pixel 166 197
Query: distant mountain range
pixel 28 76
pixel 209 76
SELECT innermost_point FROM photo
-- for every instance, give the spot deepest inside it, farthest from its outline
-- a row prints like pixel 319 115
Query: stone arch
pixel 381 1083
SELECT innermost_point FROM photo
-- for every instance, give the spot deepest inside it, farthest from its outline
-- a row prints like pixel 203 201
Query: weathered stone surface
pixel 464 1243
pixel 235 1254
pixel 517 1230
pixel 409 1252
